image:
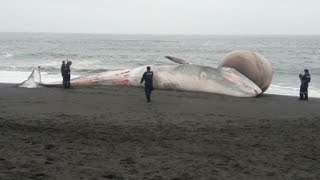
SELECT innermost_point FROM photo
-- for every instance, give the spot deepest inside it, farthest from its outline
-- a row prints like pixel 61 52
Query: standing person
pixel 63 73
pixel 148 82
pixel 68 74
pixel 305 79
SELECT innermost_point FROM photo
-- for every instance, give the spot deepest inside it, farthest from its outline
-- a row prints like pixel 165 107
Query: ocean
pixel 94 53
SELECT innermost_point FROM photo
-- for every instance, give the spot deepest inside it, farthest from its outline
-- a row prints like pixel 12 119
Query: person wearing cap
pixel 305 80
pixel 147 78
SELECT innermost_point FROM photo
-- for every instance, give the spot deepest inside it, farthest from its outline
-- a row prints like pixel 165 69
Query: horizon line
pixel 161 34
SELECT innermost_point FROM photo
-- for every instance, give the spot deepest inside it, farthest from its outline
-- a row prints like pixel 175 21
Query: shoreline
pixel 110 132
pixel 93 87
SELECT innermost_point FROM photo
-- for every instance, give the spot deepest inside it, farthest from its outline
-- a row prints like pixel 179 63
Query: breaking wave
pixel 6 55
pixel 291 91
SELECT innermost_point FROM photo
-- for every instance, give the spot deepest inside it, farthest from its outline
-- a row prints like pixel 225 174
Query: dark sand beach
pixel 112 133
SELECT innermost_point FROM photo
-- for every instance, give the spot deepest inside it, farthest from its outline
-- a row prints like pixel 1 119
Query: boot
pixel 301 96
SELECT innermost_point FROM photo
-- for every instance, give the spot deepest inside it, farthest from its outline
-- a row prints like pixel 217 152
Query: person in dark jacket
pixel 148 83
pixel 63 73
pixel 305 80
pixel 68 74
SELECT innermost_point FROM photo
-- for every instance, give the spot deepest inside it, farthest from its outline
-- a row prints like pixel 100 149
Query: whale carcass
pixel 181 76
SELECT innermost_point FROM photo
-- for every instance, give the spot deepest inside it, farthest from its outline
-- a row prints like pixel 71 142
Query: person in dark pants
pixel 148 82
pixel 68 74
pixel 63 73
pixel 305 79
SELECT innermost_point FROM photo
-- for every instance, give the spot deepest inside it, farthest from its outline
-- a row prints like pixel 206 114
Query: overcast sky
pixel 161 16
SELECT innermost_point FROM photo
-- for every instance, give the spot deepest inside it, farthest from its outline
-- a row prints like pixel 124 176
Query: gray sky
pixel 161 16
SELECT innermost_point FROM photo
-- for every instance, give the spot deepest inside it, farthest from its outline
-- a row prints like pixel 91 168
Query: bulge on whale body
pixel 181 76
pixel 251 64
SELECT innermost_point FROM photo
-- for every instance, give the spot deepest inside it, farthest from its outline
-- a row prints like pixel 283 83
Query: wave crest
pixel 6 55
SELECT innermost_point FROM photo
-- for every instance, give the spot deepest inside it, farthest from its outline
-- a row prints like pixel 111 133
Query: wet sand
pixel 112 133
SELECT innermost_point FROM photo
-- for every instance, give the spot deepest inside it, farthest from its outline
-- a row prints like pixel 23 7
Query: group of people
pixel 147 78
pixel 65 72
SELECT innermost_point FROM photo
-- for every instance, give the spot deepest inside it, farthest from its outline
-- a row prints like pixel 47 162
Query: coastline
pixel 111 132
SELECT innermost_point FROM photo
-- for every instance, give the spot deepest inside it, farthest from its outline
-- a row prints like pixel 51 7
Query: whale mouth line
pixel 241 81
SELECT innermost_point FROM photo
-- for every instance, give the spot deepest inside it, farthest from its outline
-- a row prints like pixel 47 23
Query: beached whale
pixel 181 76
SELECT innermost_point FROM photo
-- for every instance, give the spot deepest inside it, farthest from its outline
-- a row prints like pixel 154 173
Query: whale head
pixel 236 84
pixel 205 79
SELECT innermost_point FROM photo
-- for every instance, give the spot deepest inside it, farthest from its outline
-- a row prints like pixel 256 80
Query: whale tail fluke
pixel 34 79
